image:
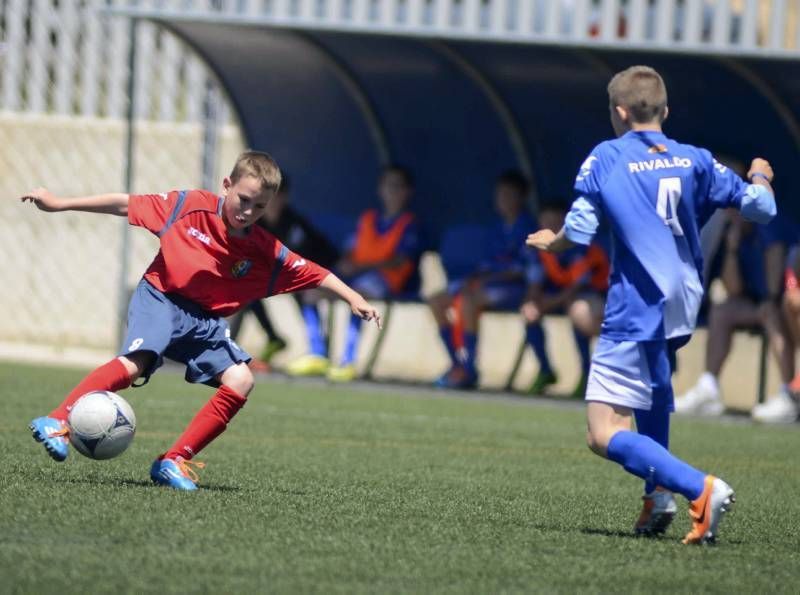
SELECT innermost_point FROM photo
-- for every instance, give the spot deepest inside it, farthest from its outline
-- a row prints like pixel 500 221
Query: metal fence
pixel 766 27
pixel 69 57
pixel 63 101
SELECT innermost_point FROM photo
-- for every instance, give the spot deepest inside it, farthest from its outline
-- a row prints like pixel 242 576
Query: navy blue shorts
pixel 500 295
pixel 177 328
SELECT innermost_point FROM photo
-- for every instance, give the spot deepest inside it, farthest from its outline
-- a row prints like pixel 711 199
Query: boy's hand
pixel 360 307
pixel 761 166
pixel 541 240
pixel 43 199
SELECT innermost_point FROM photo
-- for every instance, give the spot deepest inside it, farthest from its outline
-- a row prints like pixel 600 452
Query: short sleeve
pixel 754 201
pixel 727 188
pixel 293 272
pixel 582 221
pixel 151 211
pixel 589 180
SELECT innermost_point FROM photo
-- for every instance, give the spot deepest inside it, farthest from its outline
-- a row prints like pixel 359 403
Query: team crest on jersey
pixel 659 148
pixel 586 168
pixel 240 268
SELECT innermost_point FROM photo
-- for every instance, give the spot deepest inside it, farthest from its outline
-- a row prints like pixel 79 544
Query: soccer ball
pixel 101 425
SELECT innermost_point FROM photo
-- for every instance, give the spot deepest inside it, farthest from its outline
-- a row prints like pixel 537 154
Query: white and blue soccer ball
pixel 101 425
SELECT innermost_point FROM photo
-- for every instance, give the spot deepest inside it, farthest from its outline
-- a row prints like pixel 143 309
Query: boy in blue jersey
pixel 498 282
pixel 381 260
pixel 655 194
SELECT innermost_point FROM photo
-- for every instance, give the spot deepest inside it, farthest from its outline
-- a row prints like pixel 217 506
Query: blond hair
pixel 259 165
pixel 641 91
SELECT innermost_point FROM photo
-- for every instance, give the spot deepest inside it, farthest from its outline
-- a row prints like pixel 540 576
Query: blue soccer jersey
pixel 655 194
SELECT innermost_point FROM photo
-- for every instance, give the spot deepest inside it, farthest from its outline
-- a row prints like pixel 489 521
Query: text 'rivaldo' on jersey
pixel 655 194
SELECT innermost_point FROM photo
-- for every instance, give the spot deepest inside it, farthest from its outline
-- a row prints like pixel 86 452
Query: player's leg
pixel 212 358
pixel 148 335
pixel 782 407
pixel 315 362
pixel 537 339
pixel 235 385
pixel 622 378
pixel 705 397
pixel 275 342
pixel 658 503
pixel 372 285
pixel 585 313
pixel 474 299
pixel 791 312
pixel 439 304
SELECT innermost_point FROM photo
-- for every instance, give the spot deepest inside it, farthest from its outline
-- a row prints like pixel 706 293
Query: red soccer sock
pixel 209 423
pixel 112 376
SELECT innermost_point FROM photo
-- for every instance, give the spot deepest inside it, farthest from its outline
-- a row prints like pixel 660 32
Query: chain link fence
pixel 63 105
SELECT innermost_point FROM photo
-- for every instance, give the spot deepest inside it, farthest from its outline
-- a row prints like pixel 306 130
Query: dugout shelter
pixel 457 106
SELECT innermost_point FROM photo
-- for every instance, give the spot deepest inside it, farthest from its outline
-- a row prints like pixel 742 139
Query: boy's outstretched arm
pixel 358 305
pixel 111 204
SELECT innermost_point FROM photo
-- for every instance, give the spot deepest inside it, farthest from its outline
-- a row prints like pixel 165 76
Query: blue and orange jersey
pixel 586 266
pixel 379 239
pixel 505 245
pixel 200 261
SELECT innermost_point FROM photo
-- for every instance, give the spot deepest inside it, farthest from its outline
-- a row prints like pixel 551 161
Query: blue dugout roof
pixel 332 107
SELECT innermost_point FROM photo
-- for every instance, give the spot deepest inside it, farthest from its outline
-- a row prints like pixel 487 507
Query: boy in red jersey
pixel 212 262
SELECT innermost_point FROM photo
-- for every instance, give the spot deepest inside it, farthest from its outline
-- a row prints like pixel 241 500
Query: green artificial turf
pixel 318 489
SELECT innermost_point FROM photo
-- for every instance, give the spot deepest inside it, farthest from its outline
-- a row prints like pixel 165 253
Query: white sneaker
pixel 701 399
pixel 780 409
pixel 657 513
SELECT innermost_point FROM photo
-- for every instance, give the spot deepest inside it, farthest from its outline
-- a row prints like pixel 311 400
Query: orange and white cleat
pixel 657 513
pixel 707 511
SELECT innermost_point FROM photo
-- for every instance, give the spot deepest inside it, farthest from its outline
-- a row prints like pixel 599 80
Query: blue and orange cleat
pixel 53 434
pixel 175 473
pixel 458 377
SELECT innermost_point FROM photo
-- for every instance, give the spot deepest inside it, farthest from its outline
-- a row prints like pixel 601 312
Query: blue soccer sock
pixel 644 457
pixel 351 342
pixel 315 341
pixel 582 343
pixel 470 350
pixel 653 424
pixel 534 333
pixel 446 334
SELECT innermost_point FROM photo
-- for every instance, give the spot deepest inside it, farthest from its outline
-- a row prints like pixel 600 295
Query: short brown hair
pixel 641 91
pixel 259 165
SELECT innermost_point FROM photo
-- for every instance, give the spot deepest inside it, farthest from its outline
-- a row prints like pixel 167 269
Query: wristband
pixel 758 174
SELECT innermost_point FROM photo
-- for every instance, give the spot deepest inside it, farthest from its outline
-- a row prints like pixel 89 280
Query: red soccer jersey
pixel 200 261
